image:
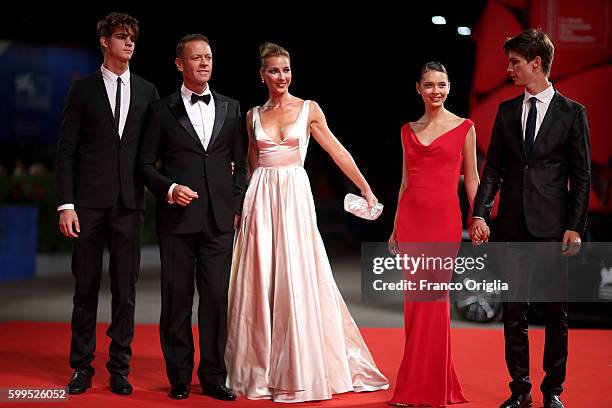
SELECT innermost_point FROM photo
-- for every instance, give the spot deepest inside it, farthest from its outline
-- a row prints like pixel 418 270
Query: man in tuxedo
pixel 539 158
pixel 101 198
pixel 197 135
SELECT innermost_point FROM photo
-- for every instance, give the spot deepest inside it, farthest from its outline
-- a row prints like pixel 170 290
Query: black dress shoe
pixel 218 391
pixel 552 401
pixel 80 380
pixel 180 391
pixel 119 384
pixel 517 400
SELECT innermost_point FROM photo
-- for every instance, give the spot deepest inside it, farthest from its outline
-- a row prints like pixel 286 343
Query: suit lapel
pixel 548 121
pixel 178 109
pixel 134 95
pixel 104 97
pixel 516 124
pixel 220 112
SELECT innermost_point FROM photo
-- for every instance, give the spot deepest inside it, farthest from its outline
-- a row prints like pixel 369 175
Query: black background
pixel 359 63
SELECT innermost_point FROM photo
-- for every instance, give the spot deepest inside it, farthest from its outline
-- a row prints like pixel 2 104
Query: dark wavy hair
pixel 530 44
pixel 108 24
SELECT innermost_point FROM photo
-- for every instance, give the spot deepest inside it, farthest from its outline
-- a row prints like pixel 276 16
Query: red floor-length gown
pixel 429 213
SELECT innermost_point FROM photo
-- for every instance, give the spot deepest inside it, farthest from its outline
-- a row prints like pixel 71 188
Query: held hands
pixel 571 243
pixel 479 231
pixel 69 223
pixel 183 195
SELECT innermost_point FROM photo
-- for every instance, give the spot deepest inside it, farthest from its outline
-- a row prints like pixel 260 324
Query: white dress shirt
pixel 110 83
pixel 202 117
pixel 542 104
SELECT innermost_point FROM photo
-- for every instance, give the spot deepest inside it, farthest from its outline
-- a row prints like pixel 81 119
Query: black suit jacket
pixel 170 137
pixel 549 187
pixel 94 167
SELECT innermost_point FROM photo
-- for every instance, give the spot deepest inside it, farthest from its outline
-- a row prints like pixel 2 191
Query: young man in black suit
pixel 101 198
pixel 198 135
pixel 539 155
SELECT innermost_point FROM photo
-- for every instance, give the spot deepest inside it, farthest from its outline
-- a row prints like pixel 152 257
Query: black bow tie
pixel 203 98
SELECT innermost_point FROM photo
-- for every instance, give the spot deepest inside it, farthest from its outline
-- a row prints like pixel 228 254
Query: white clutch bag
pixel 358 206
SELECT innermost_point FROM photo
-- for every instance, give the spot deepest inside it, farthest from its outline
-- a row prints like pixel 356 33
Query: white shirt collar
pixel 186 92
pixel 545 96
pixel 125 77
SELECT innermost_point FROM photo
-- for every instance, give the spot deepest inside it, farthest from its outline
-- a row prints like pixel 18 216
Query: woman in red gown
pixel 435 148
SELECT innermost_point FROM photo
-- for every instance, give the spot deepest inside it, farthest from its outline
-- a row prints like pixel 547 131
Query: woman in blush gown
pixel 290 335
pixel 434 149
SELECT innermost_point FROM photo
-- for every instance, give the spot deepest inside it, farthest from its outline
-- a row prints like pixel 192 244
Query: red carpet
pixel 36 355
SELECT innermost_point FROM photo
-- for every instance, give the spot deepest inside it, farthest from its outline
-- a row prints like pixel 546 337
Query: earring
pixel 262 80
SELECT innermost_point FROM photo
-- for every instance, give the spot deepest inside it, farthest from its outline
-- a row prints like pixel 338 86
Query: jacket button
pixel 205 154
pixel 526 167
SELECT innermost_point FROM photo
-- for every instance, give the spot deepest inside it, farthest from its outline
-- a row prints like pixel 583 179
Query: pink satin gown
pixel 290 335
pixel 429 213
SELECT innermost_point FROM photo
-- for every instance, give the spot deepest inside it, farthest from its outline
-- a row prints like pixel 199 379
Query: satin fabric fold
pixel 291 337
pixel 429 213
